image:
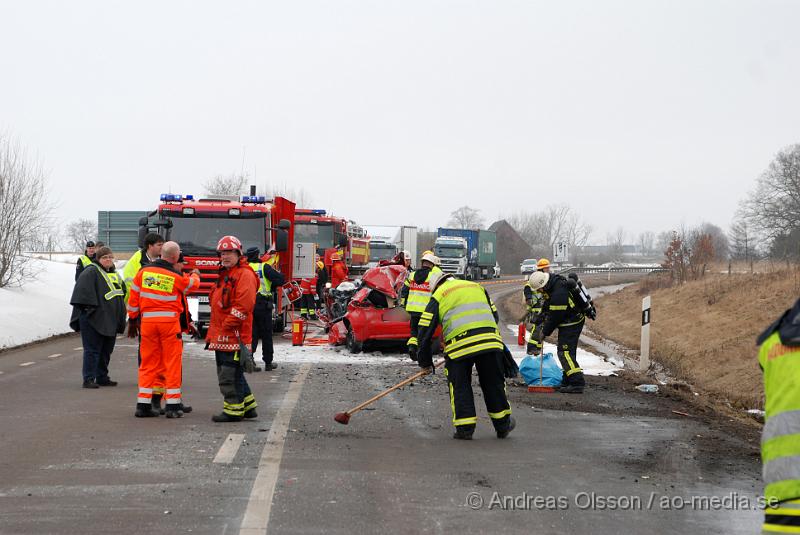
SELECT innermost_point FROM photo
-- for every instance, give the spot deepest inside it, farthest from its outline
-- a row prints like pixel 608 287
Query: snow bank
pixel 40 308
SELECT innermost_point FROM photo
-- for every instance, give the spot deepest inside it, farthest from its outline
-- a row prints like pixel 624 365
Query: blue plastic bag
pixel 551 372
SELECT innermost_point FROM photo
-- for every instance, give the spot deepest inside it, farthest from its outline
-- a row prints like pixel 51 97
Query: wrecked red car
pixel 373 317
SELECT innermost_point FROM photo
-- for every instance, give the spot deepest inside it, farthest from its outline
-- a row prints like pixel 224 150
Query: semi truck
pixel 197 225
pixel 402 238
pixel 465 253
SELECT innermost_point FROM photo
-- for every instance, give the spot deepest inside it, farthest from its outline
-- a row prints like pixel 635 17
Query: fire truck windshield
pixel 319 233
pixel 198 236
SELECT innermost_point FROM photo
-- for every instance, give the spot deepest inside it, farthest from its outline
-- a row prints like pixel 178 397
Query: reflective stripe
pixel 134 287
pixel 785 423
pixel 191 283
pixel 159 297
pixel 501 414
pixel 173 390
pixel 159 314
pixel 467 340
pixel 558 307
pixel 132 309
pixel 475 349
pixel 782 469
pixel 468 318
pixel 465 421
pixel 464 308
pixel 141 399
pixel 242 316
pixel 173 401
pixel 412 341
pixel 145 390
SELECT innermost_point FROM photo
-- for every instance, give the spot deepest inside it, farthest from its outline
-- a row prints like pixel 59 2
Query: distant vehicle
pixel 467 254
pixel 528 266
pixel 380 250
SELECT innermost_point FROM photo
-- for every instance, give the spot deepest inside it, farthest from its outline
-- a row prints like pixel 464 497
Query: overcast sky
pixel 640 114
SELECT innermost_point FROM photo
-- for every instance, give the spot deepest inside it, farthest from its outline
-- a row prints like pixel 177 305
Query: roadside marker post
pixel 644 355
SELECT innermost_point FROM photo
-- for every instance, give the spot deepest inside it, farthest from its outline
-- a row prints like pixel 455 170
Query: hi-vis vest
pixel 85 260
pixel 114 282
pixel 156 294
pixel 419 294
pixel 780 439
pixel 264 284
pixel 468 325
pixel 537 299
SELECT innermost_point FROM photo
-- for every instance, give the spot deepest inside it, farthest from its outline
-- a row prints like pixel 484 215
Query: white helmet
pixel 436 278
pixel 538 279
pixel 432 258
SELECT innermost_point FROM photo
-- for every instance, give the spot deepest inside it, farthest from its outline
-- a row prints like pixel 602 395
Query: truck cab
pixel 331 233
pixel 380 250
pixel 453 253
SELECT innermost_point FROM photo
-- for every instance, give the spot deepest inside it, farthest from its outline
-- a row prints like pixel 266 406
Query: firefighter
pixel 322 280
pixel 85 259
pixel 338 270
pixel 143 257
pixel 562 313
pixel 154 309
pixel 308 308
pixel 232 301
pixel 99 314
pixel 416 294
pixel 543 265
pixel 471 337
pixel 779 358
pixel 534 301
pixel 268 278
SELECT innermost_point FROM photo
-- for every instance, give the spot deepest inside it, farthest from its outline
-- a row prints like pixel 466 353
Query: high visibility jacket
pixel 156 293
pixel 132 267
pixel 779 358
pixel 533 298
pixel 468 318
pixel 417 294
pixel 85 260
pixel 264 284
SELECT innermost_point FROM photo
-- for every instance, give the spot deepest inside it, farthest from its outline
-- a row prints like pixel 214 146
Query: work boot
pixel 90 384
pixel 269 366
pixel 174 412
pixel 225 417
pixel 464 432
pixel 249 414
pixel 412 352
pixel 145 410
pixel 156 403
pixel 257 368
pixel 107 382
pixel 512 423
pixel 571 389
pixel 185 408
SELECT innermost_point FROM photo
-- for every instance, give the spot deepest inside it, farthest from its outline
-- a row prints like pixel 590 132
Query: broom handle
pixel 401 384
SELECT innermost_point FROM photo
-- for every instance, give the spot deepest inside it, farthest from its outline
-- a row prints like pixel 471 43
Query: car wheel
pixel 352 344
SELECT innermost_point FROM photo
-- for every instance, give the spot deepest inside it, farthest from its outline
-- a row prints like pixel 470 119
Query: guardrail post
pixel 644 354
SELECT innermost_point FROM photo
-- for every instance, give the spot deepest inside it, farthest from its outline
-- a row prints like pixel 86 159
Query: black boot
pixel 412 352
pixel 156 402
pixel 90 384
pixel 145 410
pixel 504 431
pixel 186 409
pixel 250 413
pixel 174 412
pixel 464 432
pixel 225 417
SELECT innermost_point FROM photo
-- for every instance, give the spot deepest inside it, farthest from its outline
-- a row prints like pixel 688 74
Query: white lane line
pixel 1 373
pixel 27 363
pixel 229 448
pixel 78 349
pixel 256 517
pixel 54 356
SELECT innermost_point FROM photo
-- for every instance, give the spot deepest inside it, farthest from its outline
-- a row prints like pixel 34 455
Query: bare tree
pixel 466 217
pixel 616 243
pixel 772 209
pixel 23 209
pixel 646 242
pixel 80 231
pixel 741 240
pixel 555 223
pixel 300 195
pixel 233 184
pixel 663 239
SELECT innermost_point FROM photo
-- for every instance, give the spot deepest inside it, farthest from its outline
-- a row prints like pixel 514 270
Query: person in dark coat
pixel 98 313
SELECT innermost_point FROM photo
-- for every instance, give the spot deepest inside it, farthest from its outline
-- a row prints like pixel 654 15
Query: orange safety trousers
pixel 161 348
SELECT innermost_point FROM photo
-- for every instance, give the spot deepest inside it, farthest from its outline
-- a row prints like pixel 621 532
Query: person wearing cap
pixel 232 300
pixel 155 305
pixel 471 338
pixel 99 314
pixel 86 258
pixel 562 313
pixel 416 294
pixel 268 278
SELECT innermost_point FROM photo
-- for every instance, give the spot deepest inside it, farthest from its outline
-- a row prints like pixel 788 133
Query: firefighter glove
pixel 133 327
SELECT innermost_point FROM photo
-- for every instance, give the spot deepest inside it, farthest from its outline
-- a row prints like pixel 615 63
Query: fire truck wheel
pixel 352 344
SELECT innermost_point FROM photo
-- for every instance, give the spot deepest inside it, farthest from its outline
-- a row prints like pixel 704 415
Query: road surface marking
pixel 256 518
pixel 78 349
pixel 229 448
pixel 54 356
pixel 27 363
pixel 1 373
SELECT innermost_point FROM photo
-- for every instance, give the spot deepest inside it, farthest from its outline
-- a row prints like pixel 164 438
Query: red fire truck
pixel 330 232
pixel 197 225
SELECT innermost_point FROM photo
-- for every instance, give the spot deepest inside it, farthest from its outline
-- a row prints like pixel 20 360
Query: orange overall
pixel 156 298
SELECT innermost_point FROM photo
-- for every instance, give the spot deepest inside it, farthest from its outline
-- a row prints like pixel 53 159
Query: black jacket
pixel 106 316
pixel 561 308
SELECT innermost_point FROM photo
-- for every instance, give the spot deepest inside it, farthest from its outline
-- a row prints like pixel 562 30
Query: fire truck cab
pixel 330 233
pixel 197 225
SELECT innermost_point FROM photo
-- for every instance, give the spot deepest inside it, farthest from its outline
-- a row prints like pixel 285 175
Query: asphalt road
pixel 611 461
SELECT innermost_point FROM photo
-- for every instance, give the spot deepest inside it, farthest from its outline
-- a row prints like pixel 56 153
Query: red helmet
pixel 229 243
